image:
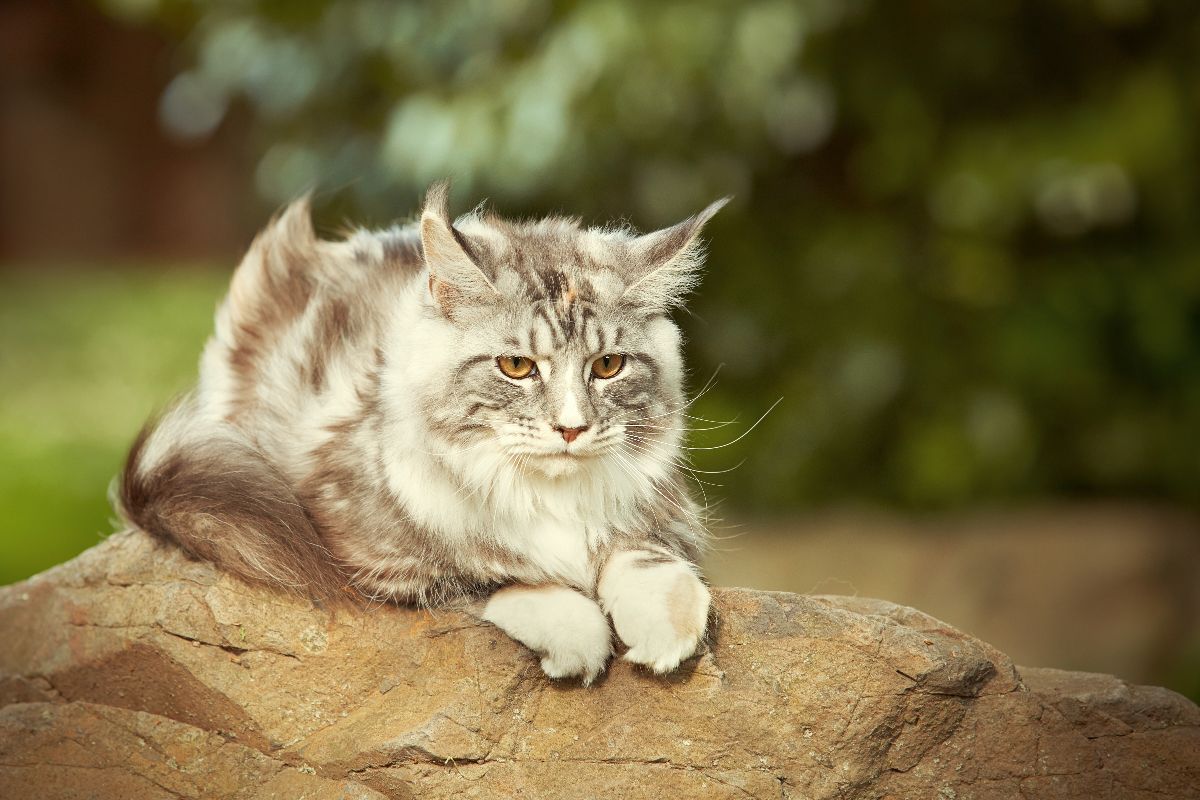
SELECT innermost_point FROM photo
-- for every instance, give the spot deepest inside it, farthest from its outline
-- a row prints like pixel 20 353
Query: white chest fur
pixel 545 530
pixel 558 548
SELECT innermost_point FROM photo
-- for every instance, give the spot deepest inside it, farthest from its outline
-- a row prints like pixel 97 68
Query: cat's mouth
pixel 566 456
pixel 554 465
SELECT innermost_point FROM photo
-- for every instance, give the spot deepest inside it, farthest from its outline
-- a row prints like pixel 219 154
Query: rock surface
pixel 131 672
pixel 1112 586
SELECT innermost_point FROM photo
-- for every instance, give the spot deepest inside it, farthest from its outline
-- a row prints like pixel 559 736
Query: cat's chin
pixel 558 465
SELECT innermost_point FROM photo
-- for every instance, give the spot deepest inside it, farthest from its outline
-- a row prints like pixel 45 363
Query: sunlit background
pixel 964 249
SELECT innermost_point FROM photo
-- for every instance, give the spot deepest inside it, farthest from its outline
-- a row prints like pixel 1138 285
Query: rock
pixel 1112 586
pixel 132 672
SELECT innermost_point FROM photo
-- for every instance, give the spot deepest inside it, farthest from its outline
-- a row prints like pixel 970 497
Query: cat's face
pixel 556 351
pixel 553 384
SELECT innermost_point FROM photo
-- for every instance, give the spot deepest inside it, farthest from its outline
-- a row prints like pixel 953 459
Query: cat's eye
pixel 609 365
pixel 517 366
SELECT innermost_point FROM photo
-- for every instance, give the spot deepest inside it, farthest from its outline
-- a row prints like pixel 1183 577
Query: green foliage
pixel 963 248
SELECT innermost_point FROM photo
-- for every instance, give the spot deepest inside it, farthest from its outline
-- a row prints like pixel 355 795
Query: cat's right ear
pixel 455 276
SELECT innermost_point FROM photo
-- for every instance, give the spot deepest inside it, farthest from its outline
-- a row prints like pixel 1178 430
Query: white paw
pixel 567 629
pixel 658 606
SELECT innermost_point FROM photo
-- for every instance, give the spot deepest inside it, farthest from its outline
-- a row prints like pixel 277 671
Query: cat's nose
pixel 570 434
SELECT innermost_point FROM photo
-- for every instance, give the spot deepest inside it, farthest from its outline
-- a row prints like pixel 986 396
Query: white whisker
pixel 745 433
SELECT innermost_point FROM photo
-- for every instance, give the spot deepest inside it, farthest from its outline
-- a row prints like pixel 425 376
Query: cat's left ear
pixel 455 276
pixel 666 263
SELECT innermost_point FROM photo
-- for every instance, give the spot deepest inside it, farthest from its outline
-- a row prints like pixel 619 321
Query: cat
pixel 447 409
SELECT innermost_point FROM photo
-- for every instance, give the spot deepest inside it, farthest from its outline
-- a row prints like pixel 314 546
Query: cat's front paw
pixel 567 629
pixel 658 606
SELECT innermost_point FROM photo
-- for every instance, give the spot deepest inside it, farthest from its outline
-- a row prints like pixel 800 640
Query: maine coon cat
pixel 446 409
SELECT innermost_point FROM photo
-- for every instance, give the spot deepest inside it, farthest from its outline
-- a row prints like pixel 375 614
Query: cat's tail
pixel 205 487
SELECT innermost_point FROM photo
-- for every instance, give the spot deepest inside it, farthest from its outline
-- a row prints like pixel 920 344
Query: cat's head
pixel 556 347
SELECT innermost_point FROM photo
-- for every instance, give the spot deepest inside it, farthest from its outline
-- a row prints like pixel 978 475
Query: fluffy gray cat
pixel 447 409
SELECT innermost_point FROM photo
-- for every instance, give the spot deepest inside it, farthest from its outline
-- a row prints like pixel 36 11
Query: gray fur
pixel 338 366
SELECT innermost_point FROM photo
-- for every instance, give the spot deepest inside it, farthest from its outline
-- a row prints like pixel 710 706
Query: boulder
pixel 133 672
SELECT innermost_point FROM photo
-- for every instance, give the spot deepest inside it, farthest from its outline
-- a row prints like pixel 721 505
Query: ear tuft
pixel 666 263
pixel 454 275
pixel 437 201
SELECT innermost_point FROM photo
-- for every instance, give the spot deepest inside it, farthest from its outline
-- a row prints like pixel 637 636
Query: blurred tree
pixel 963 248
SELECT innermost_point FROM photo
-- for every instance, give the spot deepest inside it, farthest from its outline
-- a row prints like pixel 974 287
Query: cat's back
pixel 297 337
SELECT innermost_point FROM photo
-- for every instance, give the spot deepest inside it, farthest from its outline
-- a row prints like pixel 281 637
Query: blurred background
pixel 963 249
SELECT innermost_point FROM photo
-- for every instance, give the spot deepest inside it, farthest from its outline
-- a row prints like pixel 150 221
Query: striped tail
pixel 207 489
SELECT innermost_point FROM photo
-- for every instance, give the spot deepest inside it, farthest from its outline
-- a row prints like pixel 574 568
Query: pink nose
pixel 570 434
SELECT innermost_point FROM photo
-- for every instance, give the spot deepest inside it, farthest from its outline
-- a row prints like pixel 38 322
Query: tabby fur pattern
pixel 352 434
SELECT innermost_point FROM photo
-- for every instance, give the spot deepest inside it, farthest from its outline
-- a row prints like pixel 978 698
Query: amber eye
pixel 607 366
pixel 517 366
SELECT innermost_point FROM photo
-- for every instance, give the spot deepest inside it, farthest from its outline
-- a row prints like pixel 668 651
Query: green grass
pixel 85 356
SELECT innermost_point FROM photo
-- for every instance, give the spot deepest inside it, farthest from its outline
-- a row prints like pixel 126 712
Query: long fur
pixel 219 499
pixel 351 430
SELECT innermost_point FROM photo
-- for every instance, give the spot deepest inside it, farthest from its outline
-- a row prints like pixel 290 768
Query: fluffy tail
pixel 206 488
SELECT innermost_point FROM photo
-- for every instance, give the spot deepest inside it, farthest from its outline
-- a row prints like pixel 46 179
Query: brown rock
pixel 132 672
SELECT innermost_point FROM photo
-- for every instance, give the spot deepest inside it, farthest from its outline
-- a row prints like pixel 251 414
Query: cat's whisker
pixel 657 457
pixel 676 456
pixel 710 383
pixel 671 463
pixel 700 483
pixel 744 434
pixel 671 410
pixel 680 461
pixel 631 468
pixel 708 386
pixel 683 428
pixel 714 421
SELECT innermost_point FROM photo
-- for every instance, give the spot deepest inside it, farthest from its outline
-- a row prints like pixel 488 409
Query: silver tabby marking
pixel 352 433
